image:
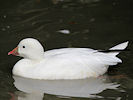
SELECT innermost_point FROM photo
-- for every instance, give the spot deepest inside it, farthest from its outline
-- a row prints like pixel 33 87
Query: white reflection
pixel 64 31
pixel 35 89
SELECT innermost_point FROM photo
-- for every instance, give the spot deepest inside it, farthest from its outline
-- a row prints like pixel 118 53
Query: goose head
pixel 29 48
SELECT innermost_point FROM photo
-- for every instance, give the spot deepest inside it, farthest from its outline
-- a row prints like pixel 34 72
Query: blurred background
pixel 98 24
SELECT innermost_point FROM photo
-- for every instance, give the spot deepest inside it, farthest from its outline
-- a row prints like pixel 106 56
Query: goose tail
pixel 118 48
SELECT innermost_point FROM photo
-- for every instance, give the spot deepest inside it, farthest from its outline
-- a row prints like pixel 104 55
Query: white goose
pixel 65 63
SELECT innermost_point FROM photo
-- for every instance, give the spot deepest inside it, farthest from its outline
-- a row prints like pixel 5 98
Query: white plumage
pixel 65 63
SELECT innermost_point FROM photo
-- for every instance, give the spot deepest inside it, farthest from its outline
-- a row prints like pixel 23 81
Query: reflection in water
pixel 88 88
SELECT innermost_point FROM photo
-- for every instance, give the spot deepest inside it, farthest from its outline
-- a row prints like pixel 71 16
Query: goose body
pixel 65 63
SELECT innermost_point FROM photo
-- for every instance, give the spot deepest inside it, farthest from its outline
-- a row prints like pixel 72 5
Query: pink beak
pixel 14 52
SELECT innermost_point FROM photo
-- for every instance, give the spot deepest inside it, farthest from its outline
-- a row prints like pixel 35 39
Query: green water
pixel 99 24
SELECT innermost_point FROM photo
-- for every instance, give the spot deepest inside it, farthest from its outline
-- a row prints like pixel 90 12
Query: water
pixel 98 24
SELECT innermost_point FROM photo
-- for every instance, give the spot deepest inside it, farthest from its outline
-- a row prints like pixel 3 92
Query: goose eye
pixel 23 46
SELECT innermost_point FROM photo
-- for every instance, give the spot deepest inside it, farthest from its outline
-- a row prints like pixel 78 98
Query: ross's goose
pixel 65 63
